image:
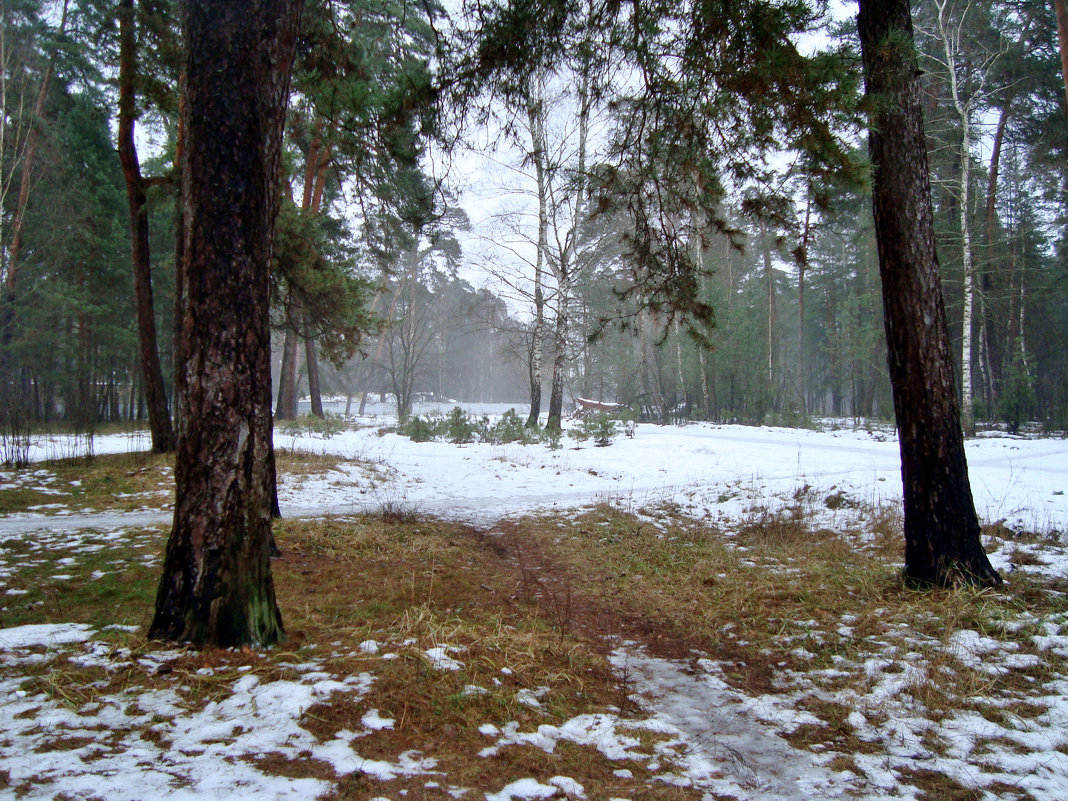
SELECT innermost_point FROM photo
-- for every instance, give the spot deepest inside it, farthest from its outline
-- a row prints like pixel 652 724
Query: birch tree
pixel 967 74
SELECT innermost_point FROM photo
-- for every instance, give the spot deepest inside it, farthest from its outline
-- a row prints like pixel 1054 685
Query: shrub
pixel 553 438
pixel 418 429
pixel 511 428
pixel 310 425
pixel 459 428
pixel 602 429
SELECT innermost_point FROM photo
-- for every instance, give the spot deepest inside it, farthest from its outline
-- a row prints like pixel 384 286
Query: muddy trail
pixel 707 690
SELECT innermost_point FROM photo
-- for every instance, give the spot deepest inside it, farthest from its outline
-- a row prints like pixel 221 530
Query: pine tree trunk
pixel 680 378
pixel 988 280
pixel 216 586
pixel 181 235
pixel 317 162
pixel 159 418
pixel 286 408
pixel 654 389
pixel 284 372
pixel 311 358
pixel 769 277
pixel 801 391
pixel 1062 41
pixel 802 267
pixel 706 394
pixel 942 537
pixel 985 369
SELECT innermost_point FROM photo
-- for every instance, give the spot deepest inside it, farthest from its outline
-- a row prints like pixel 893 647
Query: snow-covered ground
pixel 718 471
pixel 713 737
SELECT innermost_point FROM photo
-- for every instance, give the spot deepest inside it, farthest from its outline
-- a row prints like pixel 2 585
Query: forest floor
pixel 623 648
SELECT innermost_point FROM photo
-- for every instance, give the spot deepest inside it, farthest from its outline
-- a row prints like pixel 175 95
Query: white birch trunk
pixel 535 117
pixel 951 48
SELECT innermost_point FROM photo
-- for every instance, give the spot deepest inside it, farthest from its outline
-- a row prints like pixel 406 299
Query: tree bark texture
pixel 769 277
pixel 216 586
pixel 1062 42
pixel 287 377
pixel 181 234
pixel 538 156
pixel 987 283
pixel 311 359
pixel 315 173
pixel 159 418
pixel 554 422
pixel 942 537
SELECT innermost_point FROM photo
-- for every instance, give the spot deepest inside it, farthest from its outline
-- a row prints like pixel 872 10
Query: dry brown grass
pixel 528 607
pixel 131 481
pixel 712 587
pixel 412 587
pixel 300 463
pixel 113 482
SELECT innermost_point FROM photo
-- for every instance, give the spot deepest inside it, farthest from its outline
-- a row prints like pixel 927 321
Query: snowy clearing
pixel 151 730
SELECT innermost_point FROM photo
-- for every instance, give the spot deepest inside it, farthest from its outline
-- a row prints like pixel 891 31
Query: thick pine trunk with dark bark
pixel 942 538
pixel 159 418
pixel 216 586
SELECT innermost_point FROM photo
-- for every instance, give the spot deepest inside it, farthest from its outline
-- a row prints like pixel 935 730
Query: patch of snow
pixel 374 721
pixel 440 659
pixel 46 634
pixel 723 749
pixel 523 788
pixel 568 786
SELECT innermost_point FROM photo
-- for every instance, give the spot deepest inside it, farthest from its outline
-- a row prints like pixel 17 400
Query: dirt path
pixel 672 677
pixel 665 673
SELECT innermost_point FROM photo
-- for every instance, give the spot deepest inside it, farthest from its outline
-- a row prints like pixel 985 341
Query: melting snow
pixel 145 744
